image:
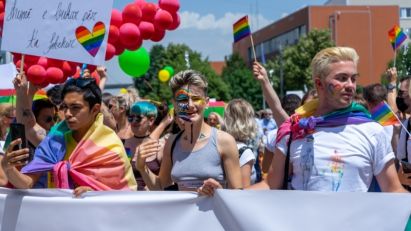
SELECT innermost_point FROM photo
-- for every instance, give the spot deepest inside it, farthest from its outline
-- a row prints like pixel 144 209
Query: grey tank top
pixel 190 169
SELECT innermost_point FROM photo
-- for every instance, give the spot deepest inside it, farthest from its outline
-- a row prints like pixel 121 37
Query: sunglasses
pixel 134 118
pixel 50 119
pixel 83 83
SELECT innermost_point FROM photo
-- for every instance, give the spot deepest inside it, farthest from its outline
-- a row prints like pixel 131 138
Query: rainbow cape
pixel 98 160
pixel 383 114
pixel 241 29
pixel 396 37
pixel 303 122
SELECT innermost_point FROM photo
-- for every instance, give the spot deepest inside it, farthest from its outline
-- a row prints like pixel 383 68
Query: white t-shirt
pixel 269 140
pixel 343 158
pixel 247 156
pixel 401 153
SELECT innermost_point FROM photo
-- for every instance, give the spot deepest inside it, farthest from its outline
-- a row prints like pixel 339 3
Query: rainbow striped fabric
pixel 99 160
pixel 241 29
pixel 396 36
pixel 383 114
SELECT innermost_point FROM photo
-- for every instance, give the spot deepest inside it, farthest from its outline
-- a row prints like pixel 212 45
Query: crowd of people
pixel 83 139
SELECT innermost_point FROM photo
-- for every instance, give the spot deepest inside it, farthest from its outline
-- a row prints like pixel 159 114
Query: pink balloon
pixel 149 11
pixel 43 62
pixel 129 35
pixel 146 29
pixel 68 68
pixel 140 3
pixel 158 35
pixel 169 5
pixel 110 51
pixel 113 34
pixel 116 18
pixel 54 75
pixel 96 76
pixel 132 14
pixel 36 74
pixel 176 22
pixel 163 19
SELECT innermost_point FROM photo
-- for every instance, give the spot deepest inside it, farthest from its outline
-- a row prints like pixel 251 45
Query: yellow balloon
pixel 163 76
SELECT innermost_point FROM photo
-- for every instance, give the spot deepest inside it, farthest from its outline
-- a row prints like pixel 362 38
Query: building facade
pixel 364 28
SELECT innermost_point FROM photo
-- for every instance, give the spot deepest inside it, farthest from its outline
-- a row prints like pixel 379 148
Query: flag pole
pixel 22 64
pixel 252 44
pixel 402 125
pixel 395 57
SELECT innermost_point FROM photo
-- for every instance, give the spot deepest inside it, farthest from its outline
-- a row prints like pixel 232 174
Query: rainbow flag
pixel 241 29
pixel 396 36
pixel 99 160
pixel 383 114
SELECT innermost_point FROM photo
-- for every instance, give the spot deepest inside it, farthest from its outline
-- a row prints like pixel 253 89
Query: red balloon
pixel 119 48
pixel 113 34
pixel 146 29
pixel 54 63
pixel 136 45
pixel 163 19
pixel 129 35
pixel 18 65
pixel 1 23
pixel 43 84
pixel 77 74
pixel 1 6
pixel 110 51
pixel 176 22
pixel 169 5
pixel 132 14
pixel 149 11
pixel 31 59
pixel 36 74
pixel 140 3
pixel 54 75
pixel 96 76
pixel 43 62
pixel 68 68
pixel 116 18
pixel 158 35
pixel 91 68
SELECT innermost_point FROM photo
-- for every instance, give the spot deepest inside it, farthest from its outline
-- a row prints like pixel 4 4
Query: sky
pixel 206 25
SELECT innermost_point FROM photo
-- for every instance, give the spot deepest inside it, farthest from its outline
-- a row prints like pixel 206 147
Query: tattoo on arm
pixel 27 112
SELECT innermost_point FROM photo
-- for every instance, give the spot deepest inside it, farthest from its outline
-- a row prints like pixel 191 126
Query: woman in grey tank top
pixel 200 158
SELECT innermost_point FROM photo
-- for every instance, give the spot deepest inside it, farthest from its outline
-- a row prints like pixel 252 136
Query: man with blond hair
pixel 332 144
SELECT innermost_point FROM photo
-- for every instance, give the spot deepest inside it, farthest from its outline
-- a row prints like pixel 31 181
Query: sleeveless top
pixel 190 169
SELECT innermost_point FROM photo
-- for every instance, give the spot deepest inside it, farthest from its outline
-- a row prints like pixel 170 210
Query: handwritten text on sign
pixel 74 30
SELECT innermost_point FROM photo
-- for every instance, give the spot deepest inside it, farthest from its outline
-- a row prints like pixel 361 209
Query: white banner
pixel 75 30
pixel 228 210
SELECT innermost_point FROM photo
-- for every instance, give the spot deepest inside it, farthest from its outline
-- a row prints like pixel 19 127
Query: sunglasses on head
pixel 83 83
pixel 135 118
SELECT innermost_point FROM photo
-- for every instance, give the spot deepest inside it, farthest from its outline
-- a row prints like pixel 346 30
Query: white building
pixel 404 5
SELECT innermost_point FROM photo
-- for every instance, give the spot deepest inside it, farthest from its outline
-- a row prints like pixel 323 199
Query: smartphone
pixel 17 131
pixel 406 167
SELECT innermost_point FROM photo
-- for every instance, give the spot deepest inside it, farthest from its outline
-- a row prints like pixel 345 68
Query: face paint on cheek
pixel 182 95
pixel 199 101
pixel 334 88
pixel 182 111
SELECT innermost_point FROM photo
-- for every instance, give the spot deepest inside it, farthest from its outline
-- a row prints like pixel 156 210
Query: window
pixel 405 12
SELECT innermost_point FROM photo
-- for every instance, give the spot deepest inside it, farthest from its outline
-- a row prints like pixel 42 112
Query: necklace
pixel 140 137
pixel 201 136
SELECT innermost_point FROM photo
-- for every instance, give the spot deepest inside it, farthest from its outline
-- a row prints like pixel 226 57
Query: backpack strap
pixel 407 136
pixel 173 145
pixel 241 150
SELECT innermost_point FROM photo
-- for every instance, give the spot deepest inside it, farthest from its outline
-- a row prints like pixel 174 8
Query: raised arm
pixel 270 95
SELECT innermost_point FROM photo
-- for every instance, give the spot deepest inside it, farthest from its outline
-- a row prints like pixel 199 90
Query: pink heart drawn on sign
pixel 91 41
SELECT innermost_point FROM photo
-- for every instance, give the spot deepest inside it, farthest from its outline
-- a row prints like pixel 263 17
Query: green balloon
pixel 135 63
pixel 169 69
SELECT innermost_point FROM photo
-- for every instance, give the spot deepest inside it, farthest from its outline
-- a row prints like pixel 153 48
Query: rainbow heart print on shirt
pixel 91 41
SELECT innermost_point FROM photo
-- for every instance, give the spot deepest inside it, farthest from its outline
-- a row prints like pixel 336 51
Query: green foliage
pixel 241 81
pixel 295 60
pixel 402 63
pixel 150 87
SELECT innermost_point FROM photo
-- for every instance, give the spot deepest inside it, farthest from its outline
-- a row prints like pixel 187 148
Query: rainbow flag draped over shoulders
pixel 383 114
pixel 99 160
pixel 241 29
pixel 396 36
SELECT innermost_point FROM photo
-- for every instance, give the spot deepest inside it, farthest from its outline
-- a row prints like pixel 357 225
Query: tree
pixel 241 81
pixel 150 87
pixel 402 63
pixel 296 60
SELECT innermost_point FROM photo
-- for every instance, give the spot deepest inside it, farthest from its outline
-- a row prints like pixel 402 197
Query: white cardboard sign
pixel 73 30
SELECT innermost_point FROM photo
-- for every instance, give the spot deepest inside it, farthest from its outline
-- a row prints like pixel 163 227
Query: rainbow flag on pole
pixel 241 29
pixel 383 114
pixel 396 36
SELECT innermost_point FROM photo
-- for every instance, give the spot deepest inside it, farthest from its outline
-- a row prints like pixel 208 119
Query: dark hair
pixel 358 98
pixel 106 97
pixel 374 93
pixel 290 103
pixel 54 94
pixel 162 112
pixel 40 104
pixel 86 86
pixel 408 77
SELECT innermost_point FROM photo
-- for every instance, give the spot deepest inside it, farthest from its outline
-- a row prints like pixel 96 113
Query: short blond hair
pixel 188 77
pixel 320 65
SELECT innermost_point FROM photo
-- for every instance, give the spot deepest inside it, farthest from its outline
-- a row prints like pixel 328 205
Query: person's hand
pixel 392 75
pixel 209 187
pixel 145 150
pixel 259 72
pixel 12 158
pixel 101 71
pixel 405 178
pixel 168 119
pixel 20 83
pixel 80 190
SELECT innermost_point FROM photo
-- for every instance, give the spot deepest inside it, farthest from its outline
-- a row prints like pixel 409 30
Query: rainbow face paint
pixel 334 88
pixel 182 95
